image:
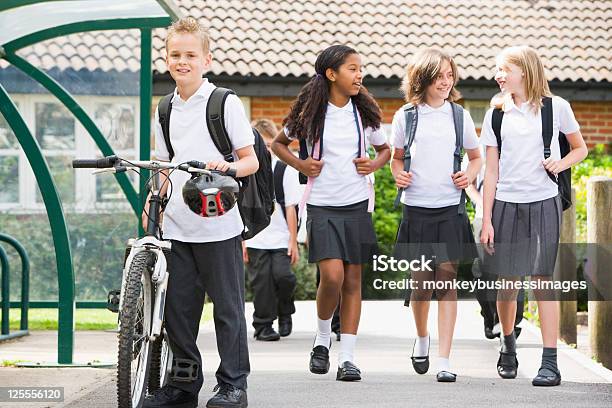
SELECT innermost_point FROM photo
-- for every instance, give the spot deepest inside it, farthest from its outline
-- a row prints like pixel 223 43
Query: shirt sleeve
pixel 487 136
pixel 398 132
pixel 567 120
pixel 470 139
pixel 236 123
pixel 376 137
pixel 292 187
pixel 161 150
pixel 289 136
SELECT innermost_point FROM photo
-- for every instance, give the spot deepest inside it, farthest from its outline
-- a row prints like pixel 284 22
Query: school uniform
pixel 527 210
pixel 432 224
pixel 206 255
pixel 269 267
pixel 339 224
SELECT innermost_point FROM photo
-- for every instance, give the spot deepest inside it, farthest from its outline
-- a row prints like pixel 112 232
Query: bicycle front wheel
pixel 161 362
pixel 134 328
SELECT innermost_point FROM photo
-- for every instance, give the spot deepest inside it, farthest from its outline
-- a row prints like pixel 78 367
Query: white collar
pixel 203 91
pixel 346 108
pixel 425 108
pixel 524 108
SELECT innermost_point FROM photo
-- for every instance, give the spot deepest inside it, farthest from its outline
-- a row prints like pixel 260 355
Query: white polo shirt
pixel 191 141
pixel 276 235
pixel 339 184
pixel 522 177
pixel 432 153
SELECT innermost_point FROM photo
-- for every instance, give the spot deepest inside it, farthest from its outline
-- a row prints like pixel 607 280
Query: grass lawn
pixel 86 319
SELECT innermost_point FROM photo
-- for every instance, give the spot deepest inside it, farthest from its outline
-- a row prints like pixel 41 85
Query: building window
pixel 55 133
pixel 62 138
pixel 9 164
pixel 117 122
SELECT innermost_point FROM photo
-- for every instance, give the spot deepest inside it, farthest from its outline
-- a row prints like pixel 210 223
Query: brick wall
pixel 595 121
pixel 595 118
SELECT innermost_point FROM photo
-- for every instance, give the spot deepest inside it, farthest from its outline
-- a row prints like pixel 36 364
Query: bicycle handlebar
pixel 114 164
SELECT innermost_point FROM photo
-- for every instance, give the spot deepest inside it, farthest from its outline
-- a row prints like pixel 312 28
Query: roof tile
pixel 282 37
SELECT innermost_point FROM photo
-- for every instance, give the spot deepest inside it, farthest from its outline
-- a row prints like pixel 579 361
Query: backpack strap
pixel 279 191
pixel 547 131
pixel 496 122
pixel 215 121
pixel 410 114
pixel 458 121
pixel 164 108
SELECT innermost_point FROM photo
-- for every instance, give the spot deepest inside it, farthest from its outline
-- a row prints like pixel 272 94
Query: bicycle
pixel 144 360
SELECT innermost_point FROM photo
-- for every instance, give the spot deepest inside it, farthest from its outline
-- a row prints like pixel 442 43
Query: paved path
pixel 280 376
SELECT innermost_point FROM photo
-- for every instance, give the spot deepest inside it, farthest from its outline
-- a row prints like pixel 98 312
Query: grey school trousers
pixel 215 268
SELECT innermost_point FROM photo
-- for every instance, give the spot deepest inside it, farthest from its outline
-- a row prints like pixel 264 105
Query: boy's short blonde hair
pixel 189 25
pixel 423 70
pixel 265 127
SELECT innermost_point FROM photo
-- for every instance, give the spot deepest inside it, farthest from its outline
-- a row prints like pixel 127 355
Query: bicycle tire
pixel 160 354
pixel 134 325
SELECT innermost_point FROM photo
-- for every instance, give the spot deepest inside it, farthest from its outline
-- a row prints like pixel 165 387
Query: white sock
pixel 347 348
pixel 421 346
pixel 443 364
pixel 323 333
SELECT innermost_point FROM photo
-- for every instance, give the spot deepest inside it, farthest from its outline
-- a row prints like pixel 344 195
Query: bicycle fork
pixel 159 276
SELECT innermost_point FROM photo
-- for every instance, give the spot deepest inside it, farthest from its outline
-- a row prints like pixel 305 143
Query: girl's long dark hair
pixel 307 114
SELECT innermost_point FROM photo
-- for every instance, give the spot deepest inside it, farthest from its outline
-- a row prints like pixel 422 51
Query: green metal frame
pixel 37 161
pixel 83 26
pixel 6 290
pixel 25 279
pixel 63 254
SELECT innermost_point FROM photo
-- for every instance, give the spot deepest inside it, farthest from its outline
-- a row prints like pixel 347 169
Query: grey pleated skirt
pixel 345 233
pixel 526 238
pixel 442 233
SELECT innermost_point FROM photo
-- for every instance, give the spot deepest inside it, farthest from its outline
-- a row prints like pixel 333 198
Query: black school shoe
pixel 545 379
pixel 446 376
pixel 507 365
pixel 420 364
pixel 169 396
pixel 228 396
pixel 285 325
pixel 319 360
pixel 267 333
pixel 348 372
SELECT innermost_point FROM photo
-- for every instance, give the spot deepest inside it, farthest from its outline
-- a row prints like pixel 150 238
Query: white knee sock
pixel 421 346
pixel 347 348
pixel 323 333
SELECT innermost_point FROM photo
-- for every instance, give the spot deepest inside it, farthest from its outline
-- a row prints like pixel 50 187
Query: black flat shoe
pixel 348 372
pixel 420 364
pixel 545 379
pixel 267 333
pixel 446 376
pixel 285 325
pixel 228 396
pixel 319 360
pixel 171 397
pixel 507 365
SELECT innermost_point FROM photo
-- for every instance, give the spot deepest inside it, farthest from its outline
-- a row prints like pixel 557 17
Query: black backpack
pixel 410 112
pixel 563 179
pixel 279 190
pixel 256 197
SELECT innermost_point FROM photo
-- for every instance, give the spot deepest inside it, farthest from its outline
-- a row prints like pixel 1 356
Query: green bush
pixel 597 163
pixel 97 242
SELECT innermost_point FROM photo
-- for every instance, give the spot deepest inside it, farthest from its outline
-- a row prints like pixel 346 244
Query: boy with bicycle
pixel 206 252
